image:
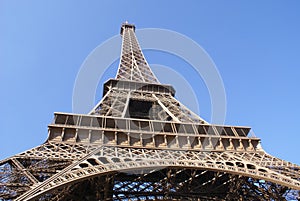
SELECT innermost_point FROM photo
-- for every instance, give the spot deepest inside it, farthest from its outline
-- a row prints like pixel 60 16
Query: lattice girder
pixel 105 160
pixel 86 138
pixel 74 137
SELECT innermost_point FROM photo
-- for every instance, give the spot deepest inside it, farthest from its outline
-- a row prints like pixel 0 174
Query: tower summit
pixel 126 25
pixel 140 143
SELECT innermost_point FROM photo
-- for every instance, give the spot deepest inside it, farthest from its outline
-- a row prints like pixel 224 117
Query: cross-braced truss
pixel 140 143
pixel 133 65
pixel 143 100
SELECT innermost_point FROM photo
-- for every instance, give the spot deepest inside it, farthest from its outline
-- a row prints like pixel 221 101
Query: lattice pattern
pixel 163 106
pixel 133 65
pixel 105 160
pixel 140 143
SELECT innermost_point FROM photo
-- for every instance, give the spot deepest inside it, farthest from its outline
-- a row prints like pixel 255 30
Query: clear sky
pixel 254 44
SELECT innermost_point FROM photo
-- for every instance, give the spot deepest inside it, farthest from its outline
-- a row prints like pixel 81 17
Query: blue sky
pixel 254 44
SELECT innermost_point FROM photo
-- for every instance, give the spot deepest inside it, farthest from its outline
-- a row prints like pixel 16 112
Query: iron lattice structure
pixel 140 143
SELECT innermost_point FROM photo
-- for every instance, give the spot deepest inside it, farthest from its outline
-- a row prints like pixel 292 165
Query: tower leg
pixel 108 187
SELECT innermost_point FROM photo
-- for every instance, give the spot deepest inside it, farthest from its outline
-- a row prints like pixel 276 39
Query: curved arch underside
pixel 169 183
pixel 214 174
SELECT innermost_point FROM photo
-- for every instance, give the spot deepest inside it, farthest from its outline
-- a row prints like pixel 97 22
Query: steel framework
pixel 140 143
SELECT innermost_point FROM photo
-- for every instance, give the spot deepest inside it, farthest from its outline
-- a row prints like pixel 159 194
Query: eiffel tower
pixel 140 143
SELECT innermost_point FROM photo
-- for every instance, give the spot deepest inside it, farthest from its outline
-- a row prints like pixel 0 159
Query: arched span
pixel 79 174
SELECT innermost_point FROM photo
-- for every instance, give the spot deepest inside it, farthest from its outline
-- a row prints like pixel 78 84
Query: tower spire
pixel 133 65
pixel 136 92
